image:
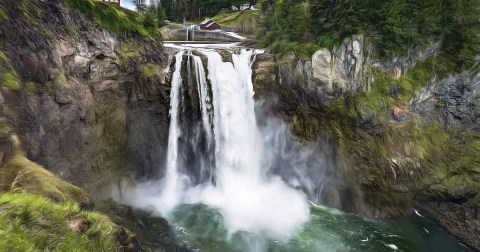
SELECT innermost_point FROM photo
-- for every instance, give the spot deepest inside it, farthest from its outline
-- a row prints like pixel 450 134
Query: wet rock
pixel 153 232
pixel 226 55
pixel 460 220
pixel 264 74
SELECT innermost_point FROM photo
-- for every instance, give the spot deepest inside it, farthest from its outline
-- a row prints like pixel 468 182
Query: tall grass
pixel 32 223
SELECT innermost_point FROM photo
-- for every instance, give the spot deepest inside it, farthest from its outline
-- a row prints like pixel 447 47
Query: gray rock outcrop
pixel 92 106
pixel 454 102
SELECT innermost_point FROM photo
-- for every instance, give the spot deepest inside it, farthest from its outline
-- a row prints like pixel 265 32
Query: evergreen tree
pixel 393 26
pixel 140 5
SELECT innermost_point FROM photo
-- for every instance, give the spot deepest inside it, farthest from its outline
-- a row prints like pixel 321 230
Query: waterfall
pixel 205 102
pixel 247 197
pixel 172 184
pixel 225 143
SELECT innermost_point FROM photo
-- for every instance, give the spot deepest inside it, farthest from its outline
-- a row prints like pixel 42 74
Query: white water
pixel 205 103
pixel 173 183
pixel 247 196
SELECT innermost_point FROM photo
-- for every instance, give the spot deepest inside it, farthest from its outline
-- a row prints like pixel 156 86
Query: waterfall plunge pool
pixel 202 227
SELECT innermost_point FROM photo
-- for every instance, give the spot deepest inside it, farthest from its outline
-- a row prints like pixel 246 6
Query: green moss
pixel 464 152
pixel 8 77
pixel 474 201
pixel 21 173
pixel 130 50
pixel 3 14
pixel 5 128
pixel 458 186
pixel 30 88
pixel 58 78
pixel 114 18
pixel 149 70
pixel 32 223
pixel 386 91
pixel 430 138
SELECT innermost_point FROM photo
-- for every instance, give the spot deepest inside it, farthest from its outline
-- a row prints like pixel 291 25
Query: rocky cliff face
pixel 403 146
pixel 92 106
pixel 454 102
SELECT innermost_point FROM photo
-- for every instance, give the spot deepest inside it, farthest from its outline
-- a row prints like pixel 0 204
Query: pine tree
pixel 140 5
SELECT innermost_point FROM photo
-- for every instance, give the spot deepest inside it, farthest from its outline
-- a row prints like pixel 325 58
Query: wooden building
pixel 209 25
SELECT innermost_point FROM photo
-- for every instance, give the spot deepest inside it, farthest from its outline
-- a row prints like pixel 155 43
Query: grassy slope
pixel 41 212
pixel 245 20
pixel 33 223
pixel 19 172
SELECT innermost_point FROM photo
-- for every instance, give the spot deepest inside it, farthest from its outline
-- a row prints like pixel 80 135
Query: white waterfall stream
pixel 172 183
pixel 205 100
pixel 248 198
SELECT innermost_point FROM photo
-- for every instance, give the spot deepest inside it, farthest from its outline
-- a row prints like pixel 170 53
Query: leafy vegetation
pixel 117 19
pixel 393 26
pixel 32 223
pixel 149 70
